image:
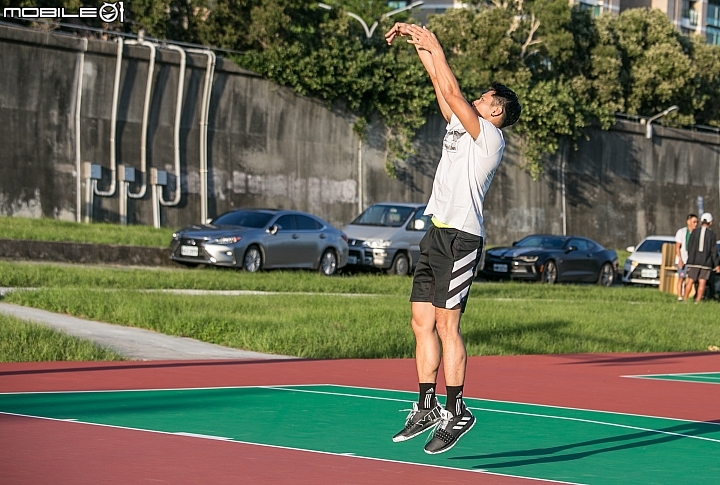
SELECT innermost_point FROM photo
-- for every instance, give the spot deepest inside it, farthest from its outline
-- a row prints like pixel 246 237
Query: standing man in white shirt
pixel 681 251
pixel 450 251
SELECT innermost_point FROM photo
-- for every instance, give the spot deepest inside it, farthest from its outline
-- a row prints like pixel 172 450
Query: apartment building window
pixel 595 10
pixel 690 14
pixel 713 35
pixel 713 14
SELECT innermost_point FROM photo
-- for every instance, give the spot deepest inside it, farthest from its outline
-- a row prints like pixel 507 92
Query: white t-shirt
pixel 681 237
pixel 464 174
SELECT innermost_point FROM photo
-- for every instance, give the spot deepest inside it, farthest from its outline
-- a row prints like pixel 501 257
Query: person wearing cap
pixel 702 257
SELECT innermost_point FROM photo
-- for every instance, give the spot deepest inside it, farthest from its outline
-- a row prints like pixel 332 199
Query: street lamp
pixel 369 31
pixel 648 128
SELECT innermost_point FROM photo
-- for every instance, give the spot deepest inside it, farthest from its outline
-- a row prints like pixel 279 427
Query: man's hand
pixel 717 269
pixel 422 38
pixel 399 29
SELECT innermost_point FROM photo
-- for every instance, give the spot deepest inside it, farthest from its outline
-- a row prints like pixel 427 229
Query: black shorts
pixel 446 268
pixel 696 274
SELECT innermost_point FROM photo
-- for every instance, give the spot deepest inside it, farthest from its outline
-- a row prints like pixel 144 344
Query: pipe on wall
pixel 113 127
pixel 146 110
pixel 78 153
pixel 204 113
pixel 176 136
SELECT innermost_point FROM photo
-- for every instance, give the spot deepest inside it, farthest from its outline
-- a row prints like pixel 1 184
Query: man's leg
pixel 680 287
pixel 688 287
pixel 453 346
pixel 700 290
pixel 456 418
pixel 425 413
pixel 427 345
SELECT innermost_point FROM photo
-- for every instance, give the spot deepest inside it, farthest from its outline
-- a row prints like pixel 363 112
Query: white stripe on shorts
pixel 460 279
pixel 455 300
pixel 464 261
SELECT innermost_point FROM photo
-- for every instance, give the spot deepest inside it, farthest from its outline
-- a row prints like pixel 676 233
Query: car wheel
pixel 252 261
pixel 550 273
pixel 400 265
pixel 328 263
pixel 607 275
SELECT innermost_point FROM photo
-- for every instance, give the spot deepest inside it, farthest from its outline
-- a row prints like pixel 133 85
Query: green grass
pixel 501 319
pixel 34 275
pixel 55 230
pixel 21 341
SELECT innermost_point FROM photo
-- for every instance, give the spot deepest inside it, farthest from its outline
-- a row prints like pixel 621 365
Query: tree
pixel 324 54
pixel 541 50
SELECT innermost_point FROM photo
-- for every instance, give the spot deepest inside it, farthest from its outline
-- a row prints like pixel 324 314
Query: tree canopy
pixel 569 69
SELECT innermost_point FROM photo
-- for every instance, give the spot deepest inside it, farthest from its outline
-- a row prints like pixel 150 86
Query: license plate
pixel 500 268
pixel 352 260
pixel 189 251
pixel 649 273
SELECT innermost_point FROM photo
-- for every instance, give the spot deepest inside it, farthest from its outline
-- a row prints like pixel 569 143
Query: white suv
pixel 643 265
pixel 387 236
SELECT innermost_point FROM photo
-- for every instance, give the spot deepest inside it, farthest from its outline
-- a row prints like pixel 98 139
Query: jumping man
pixel 451 249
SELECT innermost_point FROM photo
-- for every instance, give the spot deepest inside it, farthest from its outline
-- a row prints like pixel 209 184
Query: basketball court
pixel 580 419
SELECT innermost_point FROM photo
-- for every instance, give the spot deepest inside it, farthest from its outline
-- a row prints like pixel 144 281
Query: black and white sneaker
pixel 418 421
pixel 449 431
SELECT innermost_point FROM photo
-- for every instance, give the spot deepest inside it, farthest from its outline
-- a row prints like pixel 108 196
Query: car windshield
pixel 384 215
pixel 652 246
pixel 244 218
pixel 544 242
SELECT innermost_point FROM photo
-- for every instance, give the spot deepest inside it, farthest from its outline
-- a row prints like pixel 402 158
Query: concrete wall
pixel 269 147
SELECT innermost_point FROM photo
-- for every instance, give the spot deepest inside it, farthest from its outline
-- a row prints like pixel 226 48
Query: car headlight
pixel 176 236
pixel 225 240
pixel 632 263
pixel 378 243
pixel 528 259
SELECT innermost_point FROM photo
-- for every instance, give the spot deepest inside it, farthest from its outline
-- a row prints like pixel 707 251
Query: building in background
pixel 701 17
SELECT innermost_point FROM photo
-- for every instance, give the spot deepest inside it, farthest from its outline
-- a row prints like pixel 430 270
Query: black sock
pixel 454 402
pixel 426 399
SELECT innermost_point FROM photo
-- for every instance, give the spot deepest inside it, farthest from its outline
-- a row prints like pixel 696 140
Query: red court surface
pixel 37 450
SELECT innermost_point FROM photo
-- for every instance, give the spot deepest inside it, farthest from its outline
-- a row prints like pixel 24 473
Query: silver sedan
pixel 253 239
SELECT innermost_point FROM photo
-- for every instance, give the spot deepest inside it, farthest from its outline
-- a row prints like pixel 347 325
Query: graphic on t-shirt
pixel 450 142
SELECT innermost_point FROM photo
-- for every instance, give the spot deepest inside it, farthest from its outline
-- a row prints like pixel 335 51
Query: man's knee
pixel 447 323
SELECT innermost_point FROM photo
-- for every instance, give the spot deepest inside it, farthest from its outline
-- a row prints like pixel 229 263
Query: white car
pixel 643 265
pixel 387 236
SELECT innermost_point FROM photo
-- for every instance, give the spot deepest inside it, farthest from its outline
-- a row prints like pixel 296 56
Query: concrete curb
pixel 133 343
pixel 72 252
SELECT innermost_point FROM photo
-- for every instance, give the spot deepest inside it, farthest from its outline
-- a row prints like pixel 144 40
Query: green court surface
pixel 516 439
pixel 705 377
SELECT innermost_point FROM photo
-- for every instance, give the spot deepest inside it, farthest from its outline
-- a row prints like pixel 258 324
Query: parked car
pixel 642 267
pixel 252 239
pixel 387 236
pixel 552 259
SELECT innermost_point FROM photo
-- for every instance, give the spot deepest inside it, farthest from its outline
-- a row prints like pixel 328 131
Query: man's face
pixel 484 105
pixel 692 223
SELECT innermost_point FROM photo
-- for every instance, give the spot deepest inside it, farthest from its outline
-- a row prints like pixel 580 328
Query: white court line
pixel 506 402
pixel 687 377
pixel 347 455
pixel 290 387
pixel 677 374
pixel 564 418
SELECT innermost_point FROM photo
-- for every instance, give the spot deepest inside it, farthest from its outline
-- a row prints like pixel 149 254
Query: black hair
pixel 690 216
pixel 505 97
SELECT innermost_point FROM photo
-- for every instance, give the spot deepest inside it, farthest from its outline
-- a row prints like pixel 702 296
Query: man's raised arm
pixel 401 29
pixel 446 81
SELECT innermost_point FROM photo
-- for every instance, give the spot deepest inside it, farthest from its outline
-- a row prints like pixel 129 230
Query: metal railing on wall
pixel 124 175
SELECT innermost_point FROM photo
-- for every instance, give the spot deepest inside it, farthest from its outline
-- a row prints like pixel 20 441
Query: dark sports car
pixel 552 259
